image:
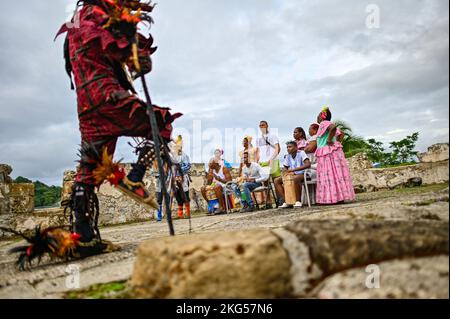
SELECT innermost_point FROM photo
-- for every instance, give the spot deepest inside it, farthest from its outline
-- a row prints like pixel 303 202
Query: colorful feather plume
pixel 57 242
pixel 89 155
pixel 108 170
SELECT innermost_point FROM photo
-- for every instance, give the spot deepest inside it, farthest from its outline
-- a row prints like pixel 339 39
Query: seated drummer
pixel 218 176
pixel 295 163
pixel 252 177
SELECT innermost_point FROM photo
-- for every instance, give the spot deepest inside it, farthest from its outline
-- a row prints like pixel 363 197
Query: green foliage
pixel 43 195
pixel 114 290
pixel 375 151
pixel 402 151
pixel 399 165
pixel 352 143
pixel 22 180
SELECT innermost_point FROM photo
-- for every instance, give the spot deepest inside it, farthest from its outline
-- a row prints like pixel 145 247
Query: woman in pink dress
pixel 300 138
pixel 334 183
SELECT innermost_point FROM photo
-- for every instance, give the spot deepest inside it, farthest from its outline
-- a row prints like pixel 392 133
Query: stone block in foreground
pixel 419 278
pixel 249 264
pixel 288 262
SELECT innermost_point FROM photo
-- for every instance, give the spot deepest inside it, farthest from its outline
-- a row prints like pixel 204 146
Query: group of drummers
pixel 318 157
pixel 259 164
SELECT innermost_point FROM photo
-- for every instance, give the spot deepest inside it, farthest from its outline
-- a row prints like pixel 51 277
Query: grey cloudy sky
pixel 227 64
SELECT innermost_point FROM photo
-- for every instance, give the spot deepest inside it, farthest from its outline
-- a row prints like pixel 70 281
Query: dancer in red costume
pixel 103 51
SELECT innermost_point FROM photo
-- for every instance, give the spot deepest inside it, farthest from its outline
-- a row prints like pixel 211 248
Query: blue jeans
pixel 248 188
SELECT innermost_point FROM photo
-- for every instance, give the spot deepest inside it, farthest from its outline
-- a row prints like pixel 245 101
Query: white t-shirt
pixel 220 174
pixel 255 171
pixel 266 145
pixel 296 162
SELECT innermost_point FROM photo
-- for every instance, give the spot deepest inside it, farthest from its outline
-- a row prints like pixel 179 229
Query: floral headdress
pixel 324 113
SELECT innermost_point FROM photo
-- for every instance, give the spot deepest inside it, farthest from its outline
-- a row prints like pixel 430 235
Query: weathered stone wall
pixel 21 197
pixel 16 200
pixel 5 182
pixel 436 153
pixel 433 169
pixel 117 208
pixel 18 208
pixel 46 217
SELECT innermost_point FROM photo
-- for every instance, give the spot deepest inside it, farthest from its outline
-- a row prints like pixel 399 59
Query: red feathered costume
pixel 99 53
pixel 107 107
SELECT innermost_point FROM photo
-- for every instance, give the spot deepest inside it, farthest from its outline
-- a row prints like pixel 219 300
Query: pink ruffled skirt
pixel 334 183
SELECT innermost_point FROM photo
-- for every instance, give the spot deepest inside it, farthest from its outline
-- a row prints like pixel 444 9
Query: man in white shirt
pixel 268 150
pixel 253 176
pixel 268 145
pixel 295 163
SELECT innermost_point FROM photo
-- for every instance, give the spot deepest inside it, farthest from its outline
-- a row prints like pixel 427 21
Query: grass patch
pixel 350 214
pixel 9 240
pixel 431 216
pixel 406 190
pixel 399 165
pixel 367 197
pixel 429 202
pixel 423 189
pixel 372 216
pixel 113 290
pixel 369 216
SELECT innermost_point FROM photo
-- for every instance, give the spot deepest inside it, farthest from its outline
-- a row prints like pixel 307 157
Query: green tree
pixel 353 144
pixel 23 180
pixel 43 195
pixel 403 150
pixel 375 151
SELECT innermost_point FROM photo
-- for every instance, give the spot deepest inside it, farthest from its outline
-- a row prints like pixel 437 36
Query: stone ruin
pixel 117 208
pixel 17 209
pixel 17 200
pixel 435 154
pixel 433 168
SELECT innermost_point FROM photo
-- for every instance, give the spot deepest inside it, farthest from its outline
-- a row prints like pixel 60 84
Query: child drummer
pixel 294 166
pixel 218 176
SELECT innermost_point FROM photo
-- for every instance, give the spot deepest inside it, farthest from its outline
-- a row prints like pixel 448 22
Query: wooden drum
pixel 211 193
pixel 290 194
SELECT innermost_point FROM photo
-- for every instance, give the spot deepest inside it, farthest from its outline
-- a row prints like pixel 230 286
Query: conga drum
pixel 211 193
pixel 212 199
pixel 290 194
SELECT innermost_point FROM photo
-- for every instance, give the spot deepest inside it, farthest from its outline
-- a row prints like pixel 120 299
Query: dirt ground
pixel 110 272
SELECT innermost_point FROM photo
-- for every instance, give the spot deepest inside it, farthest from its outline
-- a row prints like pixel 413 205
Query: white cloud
pixel 232 63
